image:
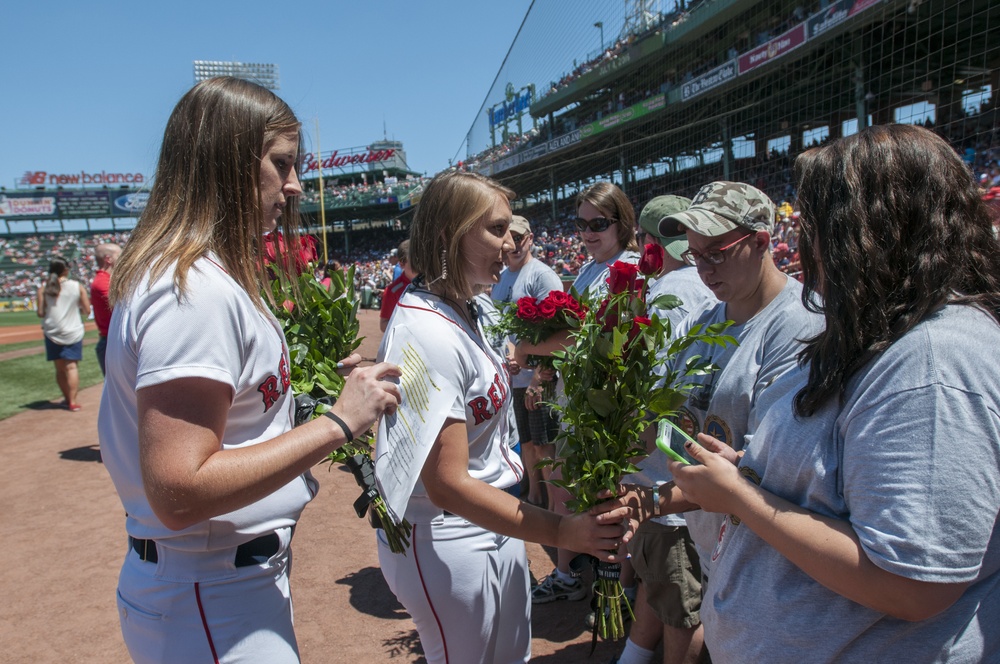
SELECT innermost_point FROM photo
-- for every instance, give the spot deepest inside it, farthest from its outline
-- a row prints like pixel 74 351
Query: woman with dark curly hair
pixel 870 515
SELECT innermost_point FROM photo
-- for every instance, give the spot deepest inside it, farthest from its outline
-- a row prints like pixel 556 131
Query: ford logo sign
pixel 132 202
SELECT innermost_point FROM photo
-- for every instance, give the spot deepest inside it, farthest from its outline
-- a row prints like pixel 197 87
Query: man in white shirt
pixel 525 276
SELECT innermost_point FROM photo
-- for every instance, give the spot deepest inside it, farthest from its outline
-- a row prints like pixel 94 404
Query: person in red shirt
pixel 105 256
pixel 395 290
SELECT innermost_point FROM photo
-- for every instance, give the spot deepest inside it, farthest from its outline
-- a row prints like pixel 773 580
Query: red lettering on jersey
pixel 286 380
pixel 269 391
pixel 495 398
pixel 480 409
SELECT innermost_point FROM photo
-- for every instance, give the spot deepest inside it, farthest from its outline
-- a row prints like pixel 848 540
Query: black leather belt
pixel 255 552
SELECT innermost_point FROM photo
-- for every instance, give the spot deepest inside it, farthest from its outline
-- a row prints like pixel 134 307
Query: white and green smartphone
pixel 670 439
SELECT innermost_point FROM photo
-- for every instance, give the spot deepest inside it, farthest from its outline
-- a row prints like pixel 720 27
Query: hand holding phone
pixel 665 438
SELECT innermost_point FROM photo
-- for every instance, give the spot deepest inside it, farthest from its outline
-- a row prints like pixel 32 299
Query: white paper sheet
pixel 405 438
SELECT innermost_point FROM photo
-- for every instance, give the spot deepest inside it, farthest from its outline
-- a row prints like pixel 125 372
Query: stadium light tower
pixel 600 25
pixel 262 74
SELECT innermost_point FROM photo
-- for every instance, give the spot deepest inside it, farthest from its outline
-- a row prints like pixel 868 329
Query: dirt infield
pixel 65 541
pixel 20 333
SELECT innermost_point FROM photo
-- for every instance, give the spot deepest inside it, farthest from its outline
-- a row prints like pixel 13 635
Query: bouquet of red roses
pixel 614 386
pixel 534 321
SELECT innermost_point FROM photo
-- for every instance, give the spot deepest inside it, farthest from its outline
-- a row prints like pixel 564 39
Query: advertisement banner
pixel 130 204
pixel 92 204
pixel 705 82
pixel 828 18
pixel 774 49
pixel 631 113
pixel 533 152
pixel 43 178
pixel 350 160
pixel 27 205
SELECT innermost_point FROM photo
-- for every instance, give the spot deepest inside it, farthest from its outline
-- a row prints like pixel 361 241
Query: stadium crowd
pixel 628 96
pixel 23 260
pixel 361 193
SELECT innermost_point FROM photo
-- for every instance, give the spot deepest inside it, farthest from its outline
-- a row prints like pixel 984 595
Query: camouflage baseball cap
pixel 657 209
pixel 720 207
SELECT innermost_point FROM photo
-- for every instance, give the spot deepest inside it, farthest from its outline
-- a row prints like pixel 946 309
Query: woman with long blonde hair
pixel 196 417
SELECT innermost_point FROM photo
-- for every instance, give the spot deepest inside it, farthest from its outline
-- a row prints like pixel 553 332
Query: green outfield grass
pixel 14 318
pixel 30 381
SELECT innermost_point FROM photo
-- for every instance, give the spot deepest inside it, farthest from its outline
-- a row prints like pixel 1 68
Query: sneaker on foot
pixel 552 588
pixel 74 407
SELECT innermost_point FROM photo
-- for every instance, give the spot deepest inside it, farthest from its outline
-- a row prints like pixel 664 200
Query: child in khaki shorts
pixel 669 598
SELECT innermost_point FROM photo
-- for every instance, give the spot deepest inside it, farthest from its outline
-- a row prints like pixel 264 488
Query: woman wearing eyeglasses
pixel 728 227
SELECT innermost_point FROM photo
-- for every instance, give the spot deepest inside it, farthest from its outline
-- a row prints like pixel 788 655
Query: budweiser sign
pixel 311 162
pixel 42 178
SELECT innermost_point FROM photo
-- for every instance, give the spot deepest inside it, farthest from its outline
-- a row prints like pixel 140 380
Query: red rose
pixel 559 298
pixel 306 253
pixel 621 277
pixel 652 260
pixel 638 323
pixel 527 309
pixel 576 307
pixel 546 309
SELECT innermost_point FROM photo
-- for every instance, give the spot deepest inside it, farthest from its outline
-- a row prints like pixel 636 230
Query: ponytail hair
pixel 57 268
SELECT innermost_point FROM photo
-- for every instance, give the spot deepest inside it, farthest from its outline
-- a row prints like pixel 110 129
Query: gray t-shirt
pixel 729 403
pixel 685 283
pixel 592 280
pixel 534 279
pixel 910 457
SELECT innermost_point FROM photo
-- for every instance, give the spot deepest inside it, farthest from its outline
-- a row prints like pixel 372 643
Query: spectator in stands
pixel 61 303
pixel 396 288
pixel 105 256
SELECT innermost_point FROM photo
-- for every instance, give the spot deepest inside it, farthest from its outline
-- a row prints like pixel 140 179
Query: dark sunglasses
pixel 518 239
pixel 595 225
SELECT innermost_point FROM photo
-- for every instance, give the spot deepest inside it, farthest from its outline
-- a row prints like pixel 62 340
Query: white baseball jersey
pixel 464 358
pixel 214 332
pixel 465 587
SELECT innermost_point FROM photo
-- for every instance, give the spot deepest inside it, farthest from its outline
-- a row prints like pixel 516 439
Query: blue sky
pixel 89 86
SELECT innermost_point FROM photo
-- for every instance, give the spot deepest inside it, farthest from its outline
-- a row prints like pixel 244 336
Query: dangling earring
pixel 444 265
